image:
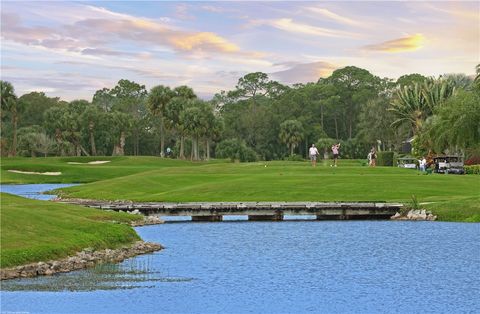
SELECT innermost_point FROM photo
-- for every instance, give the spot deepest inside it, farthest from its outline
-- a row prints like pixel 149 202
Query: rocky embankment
pixel 415 214
pixel 147 220
pixel 86 258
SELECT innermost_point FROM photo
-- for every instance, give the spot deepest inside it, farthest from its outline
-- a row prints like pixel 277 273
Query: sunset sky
pixel 71 49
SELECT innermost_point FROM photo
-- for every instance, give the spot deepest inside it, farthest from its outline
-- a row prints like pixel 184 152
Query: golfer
pixel 335 151
pixel 313 152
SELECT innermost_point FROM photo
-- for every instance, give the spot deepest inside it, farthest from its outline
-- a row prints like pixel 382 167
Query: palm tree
pixel 158 98
pixel 415 103
pixel 192 126
pixel 456 125
pixel 291 133
pixel 438 91
pixel 183 97
pixel 9 104
pixel 410 106
pixel 459 80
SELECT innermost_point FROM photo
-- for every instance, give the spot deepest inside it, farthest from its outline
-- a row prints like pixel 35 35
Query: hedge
pixel 385 159
pixel 475 169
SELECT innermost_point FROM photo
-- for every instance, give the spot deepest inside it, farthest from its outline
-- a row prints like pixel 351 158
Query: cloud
pixel 304 72
pixel 94 36
pixel 333 16
pixel 202 41
pixel 214 9
pixel 52 83
pixel 108 52
pixel 288 25
pixel 404 44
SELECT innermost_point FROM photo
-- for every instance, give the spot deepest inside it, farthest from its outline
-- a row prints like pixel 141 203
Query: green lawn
pixel 453 197
pixel 34 230
pixel 80 173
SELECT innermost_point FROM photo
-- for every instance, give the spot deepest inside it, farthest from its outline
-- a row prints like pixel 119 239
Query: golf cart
pixel 407 162
pixel 449 164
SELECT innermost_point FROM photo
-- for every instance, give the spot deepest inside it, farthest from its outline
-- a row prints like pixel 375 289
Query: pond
pixel 275 267
pixel 34 191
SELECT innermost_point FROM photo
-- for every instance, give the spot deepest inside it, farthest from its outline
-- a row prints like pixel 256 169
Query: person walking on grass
pixel 313 152
pixel 335 151
pixel 373 157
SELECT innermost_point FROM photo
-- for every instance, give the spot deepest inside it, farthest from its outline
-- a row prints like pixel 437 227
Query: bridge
pixel 256 211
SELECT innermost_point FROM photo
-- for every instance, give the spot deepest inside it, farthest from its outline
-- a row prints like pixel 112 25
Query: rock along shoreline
pixel 415 214
pixel 86 258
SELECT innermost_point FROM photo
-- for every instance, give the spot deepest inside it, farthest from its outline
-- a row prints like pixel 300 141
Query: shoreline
pixel 84 259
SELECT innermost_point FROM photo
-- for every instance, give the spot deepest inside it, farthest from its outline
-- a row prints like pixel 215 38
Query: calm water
pixel 33 191
pixel 275 267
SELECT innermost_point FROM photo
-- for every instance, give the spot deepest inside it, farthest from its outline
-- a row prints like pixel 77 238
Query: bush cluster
pixel 385 159
pixel 235 149
pixel 474 169
pixel 474 160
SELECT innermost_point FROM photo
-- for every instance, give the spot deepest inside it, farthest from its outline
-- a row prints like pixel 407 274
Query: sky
pixel 71 49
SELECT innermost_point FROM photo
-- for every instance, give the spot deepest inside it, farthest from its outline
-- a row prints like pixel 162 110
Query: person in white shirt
pixel 423 163
pixel 335 151
pixel 313 152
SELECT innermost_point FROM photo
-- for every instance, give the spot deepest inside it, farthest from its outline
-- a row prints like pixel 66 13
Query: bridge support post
pixel 212 218
pixel 276 217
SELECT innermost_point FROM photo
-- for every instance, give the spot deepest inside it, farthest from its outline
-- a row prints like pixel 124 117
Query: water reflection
pixel 131 274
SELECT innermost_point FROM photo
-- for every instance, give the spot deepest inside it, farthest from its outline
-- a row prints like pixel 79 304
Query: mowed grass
pixel 454 197
pixel 33 231
pixel 279 181
pixel 80 173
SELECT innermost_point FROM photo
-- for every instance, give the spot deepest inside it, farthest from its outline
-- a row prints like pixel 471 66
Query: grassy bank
pixel 34 230
pixel 464 210
pixel 452 197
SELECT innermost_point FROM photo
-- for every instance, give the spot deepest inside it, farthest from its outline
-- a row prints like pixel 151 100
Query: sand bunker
pixel 97 162
pixel 41 173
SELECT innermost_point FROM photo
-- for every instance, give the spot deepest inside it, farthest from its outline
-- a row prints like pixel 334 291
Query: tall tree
pixel 355 87
pixel 89 121
pixel 158 99
pixel 104 99
pixel 54 124
pixel 456 124
pixel 477 77
pixel 457 80
pixel 411 79
pixel 291 133
pixel 64 122
pixel 130 98
pixel 182 98
pixel 34 105
pixel 10 105
pixel 375 124
pixel 121 124
pixel 192 124
pixel 253 90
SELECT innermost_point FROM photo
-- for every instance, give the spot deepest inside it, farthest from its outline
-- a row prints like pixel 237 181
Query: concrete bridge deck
pixel 214 211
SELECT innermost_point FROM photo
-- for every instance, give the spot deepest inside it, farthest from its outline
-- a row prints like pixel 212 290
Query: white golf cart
pixel 407 162
pixel 449 164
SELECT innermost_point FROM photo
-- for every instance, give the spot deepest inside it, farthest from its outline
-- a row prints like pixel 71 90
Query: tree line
pixel 259 119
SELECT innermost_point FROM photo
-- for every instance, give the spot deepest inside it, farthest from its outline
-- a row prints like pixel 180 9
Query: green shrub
pixel 235 149
pixel 474 169
pixel 385 159
pixel 354 149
